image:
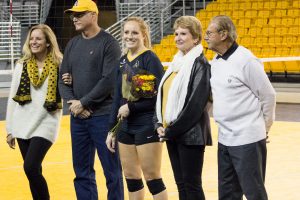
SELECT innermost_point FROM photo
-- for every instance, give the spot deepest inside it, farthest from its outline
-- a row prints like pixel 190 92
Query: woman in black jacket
pixel 181 108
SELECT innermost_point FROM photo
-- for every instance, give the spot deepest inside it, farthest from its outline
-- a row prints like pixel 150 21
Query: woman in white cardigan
pixel 34 104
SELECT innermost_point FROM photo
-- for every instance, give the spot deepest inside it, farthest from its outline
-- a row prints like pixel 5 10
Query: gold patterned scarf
pixel 30 74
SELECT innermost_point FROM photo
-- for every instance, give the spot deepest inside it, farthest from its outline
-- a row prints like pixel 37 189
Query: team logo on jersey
pixel 136 64
pixel 123 62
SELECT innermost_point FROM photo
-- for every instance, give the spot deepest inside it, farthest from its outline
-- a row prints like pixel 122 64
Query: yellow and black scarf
pixel 30 74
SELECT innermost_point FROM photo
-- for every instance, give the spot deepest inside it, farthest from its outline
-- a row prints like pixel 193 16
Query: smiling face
pixel 133 36
pixel 184 40
pixel 37 42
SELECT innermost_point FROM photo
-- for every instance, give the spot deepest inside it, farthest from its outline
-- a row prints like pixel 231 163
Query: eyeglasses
pixel 210 33
pixel 77 15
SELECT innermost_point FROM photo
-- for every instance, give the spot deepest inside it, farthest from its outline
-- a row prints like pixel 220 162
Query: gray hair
pixel 224 22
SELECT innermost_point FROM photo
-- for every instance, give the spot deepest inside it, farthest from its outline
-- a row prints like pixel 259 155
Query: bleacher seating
pixel 270 28
pixel 25 11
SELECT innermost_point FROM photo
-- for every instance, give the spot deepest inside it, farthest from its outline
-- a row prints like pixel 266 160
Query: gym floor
pixel 282 179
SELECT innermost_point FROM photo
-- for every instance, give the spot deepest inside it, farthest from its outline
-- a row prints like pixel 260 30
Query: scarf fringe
pixel 24 99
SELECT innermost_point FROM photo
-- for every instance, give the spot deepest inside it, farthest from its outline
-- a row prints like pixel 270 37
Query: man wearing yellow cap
pixel 91 59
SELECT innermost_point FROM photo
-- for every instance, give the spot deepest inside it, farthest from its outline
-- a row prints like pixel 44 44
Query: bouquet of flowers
pixel 137 83
pixel 143 86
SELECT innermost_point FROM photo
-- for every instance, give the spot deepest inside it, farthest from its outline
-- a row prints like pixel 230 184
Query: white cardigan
pixel 243 98
pixel 31 119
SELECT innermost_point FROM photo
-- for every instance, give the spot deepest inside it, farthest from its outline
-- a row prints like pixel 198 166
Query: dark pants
pixel 87 136
pixel 33 152
pixel 242 171
pixel 187 163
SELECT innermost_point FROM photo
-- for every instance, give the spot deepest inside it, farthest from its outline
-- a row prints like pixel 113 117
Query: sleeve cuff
pixel 131 107
pixel 167 133
pixel 157 125
pixel 84 102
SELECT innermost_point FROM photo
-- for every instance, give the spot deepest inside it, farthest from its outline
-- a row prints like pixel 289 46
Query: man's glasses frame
pixel 209 33
pixel 78 15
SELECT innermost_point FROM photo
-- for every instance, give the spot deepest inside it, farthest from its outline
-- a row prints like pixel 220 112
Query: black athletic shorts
pixel 137 135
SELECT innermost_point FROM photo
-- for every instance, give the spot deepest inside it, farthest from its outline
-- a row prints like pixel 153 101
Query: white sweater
pixel 31 119
pixel 243 98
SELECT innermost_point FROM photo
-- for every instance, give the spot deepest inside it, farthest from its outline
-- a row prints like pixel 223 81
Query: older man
pixel 244 107
pixel 92 58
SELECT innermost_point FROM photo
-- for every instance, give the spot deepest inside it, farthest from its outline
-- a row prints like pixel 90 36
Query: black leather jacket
pixel 192 127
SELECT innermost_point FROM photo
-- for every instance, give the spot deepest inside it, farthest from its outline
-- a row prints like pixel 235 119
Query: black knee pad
pixel 156 186
pixel 134 185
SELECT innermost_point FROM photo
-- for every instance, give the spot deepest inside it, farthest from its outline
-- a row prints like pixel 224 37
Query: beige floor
pixel 282 181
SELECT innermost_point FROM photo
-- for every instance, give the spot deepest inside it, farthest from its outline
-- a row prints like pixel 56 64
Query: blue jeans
pixel 87 136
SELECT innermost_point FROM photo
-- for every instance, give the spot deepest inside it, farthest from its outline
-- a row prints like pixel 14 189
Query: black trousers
pixel 187 163
pixel 33 152
pixel 242 171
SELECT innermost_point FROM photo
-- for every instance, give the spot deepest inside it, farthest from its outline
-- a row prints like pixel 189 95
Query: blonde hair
pixel 53 48
pixel 192 24
pixel 224 22
pixel 144 29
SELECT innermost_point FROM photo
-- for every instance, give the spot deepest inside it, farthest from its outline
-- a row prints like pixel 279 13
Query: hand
pixel 111 142
pixel 161 134
pixel 11 141
pixel 85 114
pixel 75 107
pixel 123 112
pixel 161 131
pixel 67 78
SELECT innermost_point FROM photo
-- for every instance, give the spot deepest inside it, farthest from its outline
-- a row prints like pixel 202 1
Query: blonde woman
pixel 181 108
pixel 138 143
pixel 34 105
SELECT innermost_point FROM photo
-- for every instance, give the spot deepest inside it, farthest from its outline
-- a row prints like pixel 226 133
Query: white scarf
pixel 182 64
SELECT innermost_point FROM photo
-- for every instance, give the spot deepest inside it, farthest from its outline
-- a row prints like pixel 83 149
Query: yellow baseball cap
pixel 82 6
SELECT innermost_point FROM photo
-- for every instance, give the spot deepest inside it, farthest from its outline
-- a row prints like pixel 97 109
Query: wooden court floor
pixel 282 179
